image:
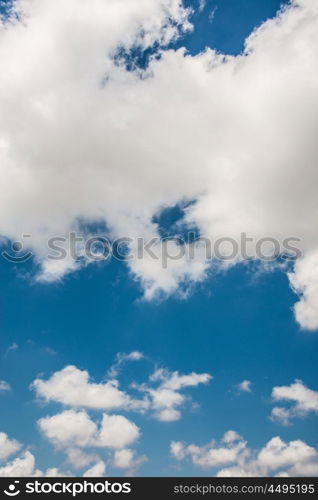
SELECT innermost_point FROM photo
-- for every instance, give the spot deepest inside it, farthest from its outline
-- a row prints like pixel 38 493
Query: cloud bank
pixel 277 457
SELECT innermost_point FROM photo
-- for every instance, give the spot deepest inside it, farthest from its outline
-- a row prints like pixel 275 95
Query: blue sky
pixel 236 325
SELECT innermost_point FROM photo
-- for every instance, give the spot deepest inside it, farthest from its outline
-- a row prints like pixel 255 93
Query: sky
pixel 153 122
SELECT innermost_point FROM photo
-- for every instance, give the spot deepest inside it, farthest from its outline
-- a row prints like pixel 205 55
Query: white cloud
pixel 98 470
pixel 162 395
pixel 304 469
pixel 281 415
pixel 277 454
pixel 102 29
pixel 231 437
pixel 178 450
pixel 166 399
pixel 212 455
pixel 129 144
pixel 24 466
pixel 7 446
pixel 79 435
pixel 4 386
pixel 126 459
pixel 245 386
pixel 304 401
pixel 20 467
pixel 132 356
pixel 12 347
pixel 304 281
pixel 235 472
pixel 79 459
pixel 73 387
pixel 176 381
pixel 121 359
pixel 123 459
pixel 117 432
pixel 72 428
pixel 69 428
pixel 277 457
pixel 202 4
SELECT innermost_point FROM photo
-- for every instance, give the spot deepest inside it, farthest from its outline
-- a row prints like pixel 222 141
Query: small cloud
pixel 231 437
pixel 166 398
pixel 12 347
pixel 121 359
pixel 212 14
pixel 245 386
pixel 202 4
pixel 237 459
pixel 302 399
pixel 4 386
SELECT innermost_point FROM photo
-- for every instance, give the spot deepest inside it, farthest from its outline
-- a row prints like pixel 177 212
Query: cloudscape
pixel 158 232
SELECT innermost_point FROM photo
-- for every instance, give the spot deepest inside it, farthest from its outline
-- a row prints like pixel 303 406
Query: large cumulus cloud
pixel 82 137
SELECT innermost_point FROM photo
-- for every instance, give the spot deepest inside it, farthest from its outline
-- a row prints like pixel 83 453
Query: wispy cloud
pixel 121 359
pixel 13 347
